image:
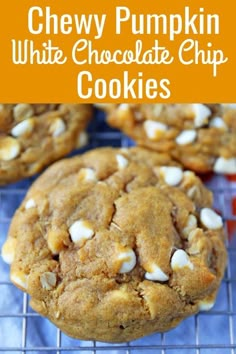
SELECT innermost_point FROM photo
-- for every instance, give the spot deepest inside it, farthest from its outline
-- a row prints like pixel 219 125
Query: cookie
pixel 116 244
pixel 34 135
pixel 202 137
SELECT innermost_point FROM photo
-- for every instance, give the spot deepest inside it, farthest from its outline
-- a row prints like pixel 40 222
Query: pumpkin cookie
pixel 202 137
pixel 34 135
pixel 117 244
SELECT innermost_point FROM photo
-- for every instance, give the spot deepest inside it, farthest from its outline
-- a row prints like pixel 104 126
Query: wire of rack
pixel 24 331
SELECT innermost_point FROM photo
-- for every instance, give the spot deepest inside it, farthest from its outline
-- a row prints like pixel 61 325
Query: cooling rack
pixel 24 331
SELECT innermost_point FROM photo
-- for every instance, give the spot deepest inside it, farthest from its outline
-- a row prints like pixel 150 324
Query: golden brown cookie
pixel 117 244
pixel 34 135
pixel 200 136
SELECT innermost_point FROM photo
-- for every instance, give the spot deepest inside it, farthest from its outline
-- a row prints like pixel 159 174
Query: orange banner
pixel 107 51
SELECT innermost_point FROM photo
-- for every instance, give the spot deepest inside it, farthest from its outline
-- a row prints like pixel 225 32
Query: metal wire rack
pixel 24 331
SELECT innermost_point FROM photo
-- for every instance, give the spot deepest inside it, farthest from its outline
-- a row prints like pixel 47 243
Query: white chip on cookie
pixel 210 219
pixel 127 257
pixel 19 278
pixel 186 137
pixel 80 231
pixel 124 112
pixel 82 139
pixel 172 175
pixel 30 204
pixel 122 162
pixel 58 127
pixel 190 225
pixel 229 105
pixel 23 111
pixel 218 122
pixel 48 280
pixel 180 259
pixel 87 174
pixel 157 108
pixel 8 250
pixel 205 305
pixel 202 114
pixel 156 274
pixel 154 129
pixel 9 148
pixel 26 126
pixel 223 165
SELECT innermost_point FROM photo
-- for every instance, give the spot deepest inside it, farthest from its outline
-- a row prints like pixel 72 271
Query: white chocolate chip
pixel 186 137
pixel 25 126
pixel 190 226
pixel 57 127
pixel 138 116
pixel 227 166
pixel 128 259
pixel 189 175
pixel 229 105
pixel 180 259
pixel 218 122
pixel 210 219
pixel 20 279
pixel 156 274
pixel 205 305
pixel 23 110
pixel 82 139
pixel 9 148
pixel 8 250
pixel 172 175
pixel 121 161
pixel 154 129
pixel 48 280
pixel 157 108
pixel 202 114
pixel 30 204
pixel 80 231
pixel 124 112
pixel 87 174
pixel 124 107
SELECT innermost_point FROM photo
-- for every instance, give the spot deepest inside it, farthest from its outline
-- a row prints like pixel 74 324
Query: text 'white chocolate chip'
pixel 128 259
pixel 81 231
pixel 57 127
pixel 26 126
pixel 172 175
pixel 122 162
pixel 186 137
pixel 154 129
pixel 202 113
pixel 210 219
pixel 9 148
pixel 156 274
pixel 227 166
pixel 30 204
pixel 180 259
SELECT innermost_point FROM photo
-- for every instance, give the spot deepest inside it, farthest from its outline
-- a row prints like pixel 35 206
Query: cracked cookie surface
pixel 116 244
pixel 202 137
pixel 34 135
